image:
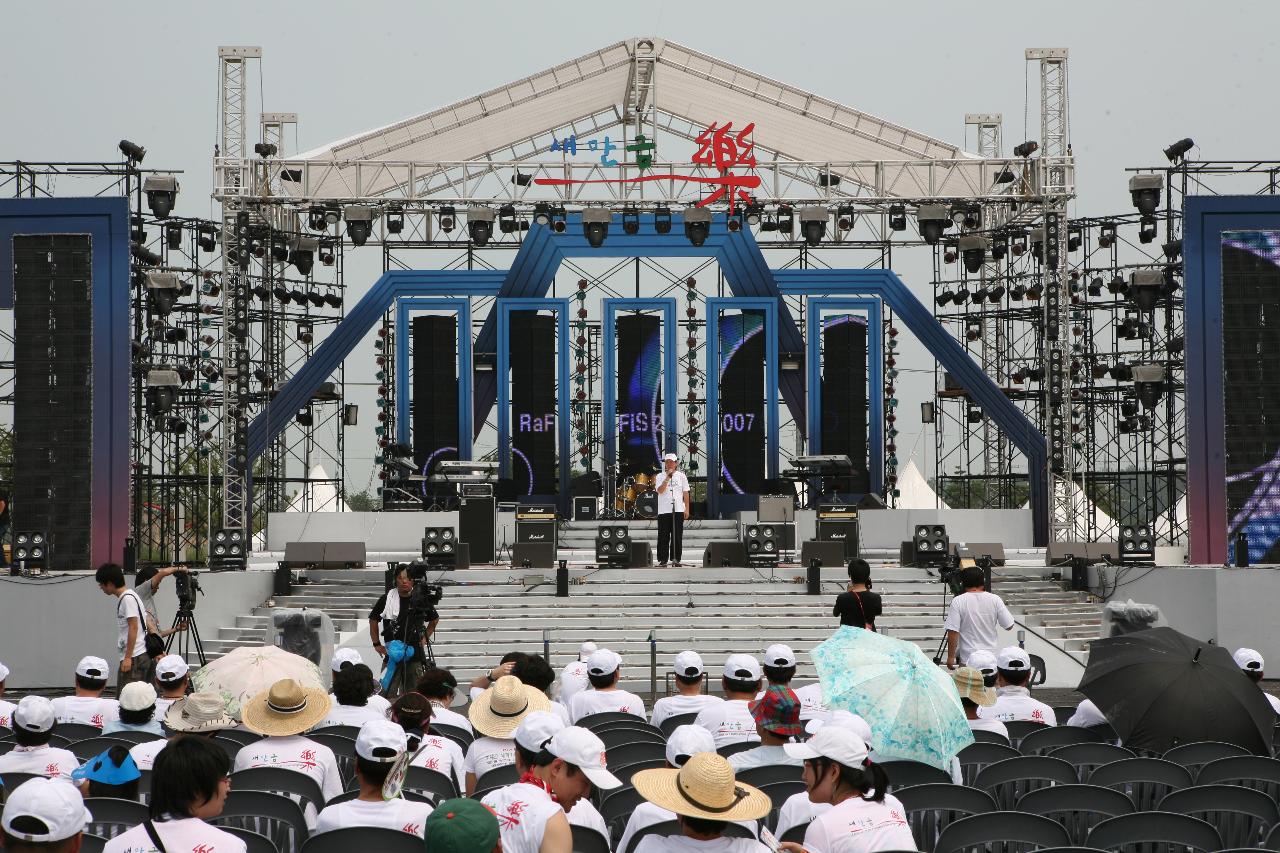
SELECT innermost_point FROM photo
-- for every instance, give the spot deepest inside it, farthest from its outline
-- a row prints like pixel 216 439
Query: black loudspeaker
pixel 439 546
pixel 641 556
pixel 303 554
pixel 1080 574
pixel 541 555
pixel 813 578
pixel 584 509
pixel 871 501
pixel 974 550
pixel 844 531
pixel 462 557
pixel 761 541
pixel 344 555
pixel 562 581
pixel 826 553
pixel 1059 552
pixel 724 554
pixel 476 525
pixel 536 530
pixel 1137 545
pixel 434 400
pixel 613 544
pixel 282 585
pixel 932 545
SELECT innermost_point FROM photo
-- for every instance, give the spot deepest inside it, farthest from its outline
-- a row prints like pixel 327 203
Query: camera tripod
pixel 187 634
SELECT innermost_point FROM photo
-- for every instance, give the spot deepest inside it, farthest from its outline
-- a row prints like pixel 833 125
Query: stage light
pixel 1017 292
pixel 559 219
pixel 302 253
pixel 132 152
pixel 595 225
pixel 1035 291
pixel 786 222
pixel 1144 289
pixel 162 390
pixel 280 292
pixel 1176 345
pixel 315 218
pixel 303 333
pixel 359 223
pixel 350 414
pixel 1147 229
pixel 480 225
pixel 630 221
pixel 279 252
pixel 999 247
pixel 1179 149
pixel 163 289
pixel 395 220
pixel 1019 244
pixel 980 296
pixel 697 225
pixel 265 149
pixel 1073 239
pixel 261 291
pixel 943 298
pixel 520 179
pixel 754 212
pixel 950 256
pixel 1148 383
pixel 1172 249
pixel 926 413
pixel 448 218
pixel 844 217
pixel 662 219
pixel 208 239
pixel 1120 372
pixel 542 213
pixel 1037 243
pixel 332 215
pixel 174 336
pixel 958 214
pixel 897 217
pixel 1026 149
pixel 995 293
pixel 1106 235
pixel 304 417
pixel 144 255
pixel 813 224
pixel 299 297
pixel 31 548
pixel 1145 192
pixel 1019 376
pixel 1095 286
pixel 973 249
pixel 733 221
pixel 316 299
pixel 507 223
pixel 1005 176
pixel 333 300
pixel 961 296
pixel 932 220
pixel 173 235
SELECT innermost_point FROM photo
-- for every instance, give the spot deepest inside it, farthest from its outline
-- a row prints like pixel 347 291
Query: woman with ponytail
pixel 862 818
pixel 413 713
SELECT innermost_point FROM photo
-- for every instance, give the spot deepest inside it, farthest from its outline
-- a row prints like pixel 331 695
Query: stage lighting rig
pixel 315 218
pixel 163 289
pixel 162 390
pixel 448 218
pixel 630 221
pixel 132 152
pixel 302 253
pixel 265 149
pixel 1106 235
pixel 697 225
pixel 786 221
pixel 932 220
pixel 359 220
pixel 897 217
pixel 813 224
pixel 480 225
pixel 662 219
pixel 973 249
pixel 507 222
pixel 1179 149
pixel 542 213
pixel 595 225
pixel 1144 190
pixel 1026 149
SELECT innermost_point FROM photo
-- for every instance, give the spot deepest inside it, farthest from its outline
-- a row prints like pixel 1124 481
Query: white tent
pixel 319 495
pixel 915 491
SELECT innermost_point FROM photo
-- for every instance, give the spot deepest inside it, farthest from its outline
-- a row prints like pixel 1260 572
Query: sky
pixel 83 75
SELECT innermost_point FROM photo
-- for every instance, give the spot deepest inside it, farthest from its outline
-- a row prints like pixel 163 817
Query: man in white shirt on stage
pixel 673 509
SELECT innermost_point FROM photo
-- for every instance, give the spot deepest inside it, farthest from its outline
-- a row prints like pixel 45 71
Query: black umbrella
pixel 1159 688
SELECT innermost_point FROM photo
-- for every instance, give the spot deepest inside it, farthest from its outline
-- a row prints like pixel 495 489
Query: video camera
pixel 425 595
pixel 187 585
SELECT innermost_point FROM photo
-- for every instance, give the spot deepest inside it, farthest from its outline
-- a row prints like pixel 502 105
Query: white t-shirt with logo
pixel 187 835
pixel 684 844
pixel 586 814
pixel 729 722
pixel 573 680
pixel 446 716
pixel 404 815
pixel 981 725
pixel 1086 715
pixel 351 715
pixel 87 710
pixel 647 814
pixel 860 826
pixel 675 495
pixel 975 616
pixel 6 714
pixel 674 706
pixel 144 754
pixel 489 753
pixel 46 760
pixel 762 756
pixel 590 702
pixel 129 605
pixel 443 756
pixel 811 706
pixel 522 811
pixel 797 811
pixel 1015 703
pixel 295 752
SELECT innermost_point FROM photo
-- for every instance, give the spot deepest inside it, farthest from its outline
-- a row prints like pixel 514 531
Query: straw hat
pixel 497 712
pixel 286 709
pixel 199 713
pixel 704 787
pixel 969 685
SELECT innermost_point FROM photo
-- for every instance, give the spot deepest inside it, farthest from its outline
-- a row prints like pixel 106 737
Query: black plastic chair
pixel 1039 671
pixel 351 732
pixel 594 721
pixel 1018 729
pixel 628 721
pixel 498 777
pixel 363 838
pixel 95 746
pixel 671 827
pixel 6 746
pixel 769 774
pixel 424 780
pixel 244 737
pixel 13 780
pixel 984 736
pixel 616 737
pixel 112 816
pixel 273 815
pixel 6 732
pixel 60 742
pixel 616 809
pixel 1006 781
pixel 76 731
pixel 1046 740
pixel 931 808
pixel 230 747
pixel 279 780
pixel 1087 757
pixel 137 737
pixel 1062 713
pixel 670 724
pixel 626 771
pixel 1193 756
pixel 1273 840
pixel 1145 780
pixel 976 756
pixel 406 794
pixel 254 842
pixel 1079 808
pixel 1155 832
pixel 457 734
pixel 1010 832
pixel 630 753
pixel 588 840
pixel 144 786
pixel 92 843
pixel 740 746
pixel 1105 732
pixel 1250 771
pixel 1242 816
pixel 796 833
pixel 344 752
pixel 778 793
pixel 904 774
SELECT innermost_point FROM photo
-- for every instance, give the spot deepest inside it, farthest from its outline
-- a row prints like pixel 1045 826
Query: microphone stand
pixel 671 486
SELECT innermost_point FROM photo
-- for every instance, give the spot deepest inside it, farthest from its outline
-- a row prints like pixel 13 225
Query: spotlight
pixel 332 215
pixel 507 223
pixel 333 300
pixel 316 299
pixel 395 220
pixel 1095 286
pixel 315 219
pixel 980 295
pixel 279 252
pixel 281 293
pixel 828 179
pixel 1177 150
pixel 1172 249
pixel 813 224
pixel 996 293
pixel 175 336
pixel 943 298
pixel 1073 239
pixel 542 213
pixel 1144 289
pixel 662 219
pixel 697 225
pixel 999 247
pixel 1106 235
pixel 262 292
pixel 1098 371
pixel 1005 176
pixel 932 220
pixel 1034 291
pixel 733 222
pixel 173 235
pixel 359 220
pixel 162 390
pixel 1145 192
pixel 1148 383
pixel 786 220
pixel 480 225
pixel 897 217
pixel 1026 149
pixel 144 255
pixel 163 288
pixel 299 297
pixel 1121 372
pixel 521 179
pixel 595 225
pixel 132 152
pixel 559 219
pixel 208 239
pixel 1019 244
pixel 844 217
pixel 265 149
pixel 31 549
pixel 302 253
pixel 303 332
pixel 961 296
pixel 1017 292
pixel 973 249
pixel 754 211
pixel 1176 345
pixel 630 221
pixel 1117 285
pixel 958 213
pixel 1147 229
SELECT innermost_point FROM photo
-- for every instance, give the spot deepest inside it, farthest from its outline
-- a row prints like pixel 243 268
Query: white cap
pixel 840 744
pixel 92 667
pixel 842 719
pixel 688 663
pixel 381 734
pixel 34 713
pixel 586 650
pixel 54 802
pixel 137 696
pixel 670 457
pixel 779 655
pixel 983 661
pixel 171 668
pixel 1012 658
pixel 1248 660
pixel 537 729
pixel 603 662
pixel 4 672
pixel 743 668
pixel 344 656
pixel 686 742
pixel 585 751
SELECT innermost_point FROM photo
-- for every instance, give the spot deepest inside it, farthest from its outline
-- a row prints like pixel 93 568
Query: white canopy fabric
pixel 915 491
pixel 319 495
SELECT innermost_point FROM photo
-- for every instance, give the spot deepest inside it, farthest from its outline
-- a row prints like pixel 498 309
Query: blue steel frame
pixel 106 221
pixel 504 307
pixel 462 308
pixel 875 375
pixel 667 307
pixel 715 305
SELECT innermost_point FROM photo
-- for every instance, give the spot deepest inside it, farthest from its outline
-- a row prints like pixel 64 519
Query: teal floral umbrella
pixel 910 703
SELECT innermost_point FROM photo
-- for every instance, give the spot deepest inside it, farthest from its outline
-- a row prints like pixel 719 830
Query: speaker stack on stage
pixel 839 523
pixel 477 522
pixel 615 547
pixel 717 554
pixel 761 542
pixel 929 546
pixel 1137 545
pixel 441 549
pixel 535 536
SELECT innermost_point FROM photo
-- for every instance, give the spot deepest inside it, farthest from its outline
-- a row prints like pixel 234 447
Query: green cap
pixel 462 825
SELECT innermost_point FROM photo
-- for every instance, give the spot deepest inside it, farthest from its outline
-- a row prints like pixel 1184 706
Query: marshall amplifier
pixel 839 523
pixel 584 509
pixel 536 524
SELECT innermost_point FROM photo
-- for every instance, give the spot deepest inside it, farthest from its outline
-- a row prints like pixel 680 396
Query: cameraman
pixel 401 621
pixel 146 583
pixel 973 618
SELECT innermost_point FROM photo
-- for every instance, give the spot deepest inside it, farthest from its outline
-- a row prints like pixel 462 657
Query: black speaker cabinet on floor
pixel 584 509
pixel 724 554
pixel 829 553
pixel 641 555
pixel 476 524
pixel 541 555
pixel 974 550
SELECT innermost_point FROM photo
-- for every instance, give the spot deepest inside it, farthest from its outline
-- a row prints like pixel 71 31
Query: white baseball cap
pixel 55 803
pixel 983 661
pixel 842 719
pixel 838 743
pixel 686 742
pixel 586 650
pixel 688 663
pixel 1248 660
pixel 171 668
pixel 743 668
pixel 779 655
pixel 92 667
pixel 537 729
pixel 585 751
pixel 603 662
pixel 4 672
pixel 342 657
pixel 669 457
pixel 381 734
pixel 34 713
pixel 137 696
pixel 1013 659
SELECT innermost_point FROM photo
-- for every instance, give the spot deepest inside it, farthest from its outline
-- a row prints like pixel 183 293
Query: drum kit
pixel 635 497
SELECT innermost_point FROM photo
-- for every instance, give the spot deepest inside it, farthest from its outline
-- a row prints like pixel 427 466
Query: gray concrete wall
pixel 380 531
pixel 46 626
pixel 889 528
